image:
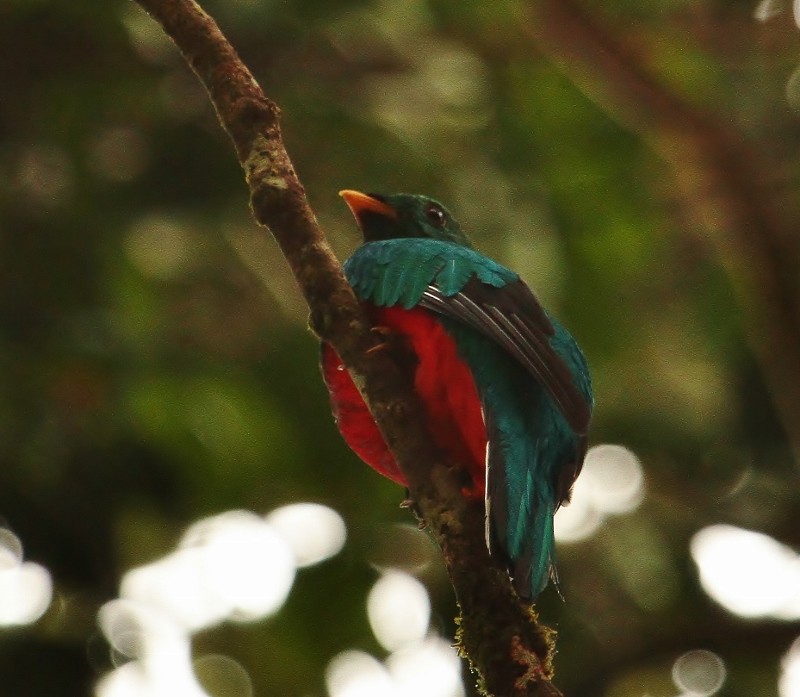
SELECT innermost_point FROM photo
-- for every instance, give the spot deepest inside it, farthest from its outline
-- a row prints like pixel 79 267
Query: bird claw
pixel 408 503
pixel 384 335
pixel 381 331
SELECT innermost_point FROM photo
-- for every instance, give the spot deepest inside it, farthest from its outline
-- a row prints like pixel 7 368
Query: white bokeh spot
pixel 699 673
pixel 789 680
pixel 611 482
pixel 313 532
pixel 26 588
pixel 235 566
pixel 399 610
pixel 357 674
pixel 748 573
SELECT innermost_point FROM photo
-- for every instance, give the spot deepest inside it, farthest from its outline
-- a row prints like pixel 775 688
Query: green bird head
pixel 402 215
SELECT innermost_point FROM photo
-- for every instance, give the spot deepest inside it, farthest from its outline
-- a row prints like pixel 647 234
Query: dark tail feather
pixel 536 565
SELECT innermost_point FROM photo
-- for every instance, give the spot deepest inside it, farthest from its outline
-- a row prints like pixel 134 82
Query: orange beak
pixel 360 203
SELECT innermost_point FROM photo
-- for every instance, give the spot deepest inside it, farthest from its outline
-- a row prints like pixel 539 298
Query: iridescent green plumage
pixel 532 379
pixel 391 272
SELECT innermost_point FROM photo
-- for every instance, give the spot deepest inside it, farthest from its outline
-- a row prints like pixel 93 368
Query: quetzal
pixel 505 388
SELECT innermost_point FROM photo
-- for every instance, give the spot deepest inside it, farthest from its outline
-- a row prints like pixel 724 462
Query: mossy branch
pixel 507 648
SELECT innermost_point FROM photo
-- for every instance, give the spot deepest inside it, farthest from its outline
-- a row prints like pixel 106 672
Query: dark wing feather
pixel 570 471
pixel 512 317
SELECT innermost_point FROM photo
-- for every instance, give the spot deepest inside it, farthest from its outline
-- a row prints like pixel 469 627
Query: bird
pixel 505 388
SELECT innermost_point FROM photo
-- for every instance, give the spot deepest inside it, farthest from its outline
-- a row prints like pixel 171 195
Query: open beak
pixel 362 203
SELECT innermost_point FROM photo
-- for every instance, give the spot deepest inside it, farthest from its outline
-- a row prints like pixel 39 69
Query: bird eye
pixel 435 216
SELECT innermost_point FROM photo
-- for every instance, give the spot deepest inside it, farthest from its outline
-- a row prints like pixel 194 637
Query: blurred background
pixel 179 515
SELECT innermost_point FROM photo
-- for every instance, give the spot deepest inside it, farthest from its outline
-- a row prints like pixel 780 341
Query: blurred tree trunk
pixel 722 181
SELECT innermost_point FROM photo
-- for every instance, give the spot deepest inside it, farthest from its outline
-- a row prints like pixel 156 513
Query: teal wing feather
pixel 398 271
pixel 533 458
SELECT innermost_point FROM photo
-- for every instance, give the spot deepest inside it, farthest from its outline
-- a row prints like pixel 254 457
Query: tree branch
pixel 721 182
pixel 508 649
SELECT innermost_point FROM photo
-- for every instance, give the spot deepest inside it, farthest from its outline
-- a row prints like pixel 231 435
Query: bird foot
pixel 393 342
pixel 384 334
pixel 409 504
